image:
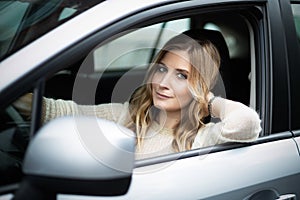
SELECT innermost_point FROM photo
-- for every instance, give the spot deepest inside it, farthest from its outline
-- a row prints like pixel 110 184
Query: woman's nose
pixel 165 81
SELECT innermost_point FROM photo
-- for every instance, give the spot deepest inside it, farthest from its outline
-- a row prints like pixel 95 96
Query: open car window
pixel 116 67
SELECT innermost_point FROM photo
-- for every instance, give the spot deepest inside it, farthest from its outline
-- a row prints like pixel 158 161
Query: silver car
pixel 97 51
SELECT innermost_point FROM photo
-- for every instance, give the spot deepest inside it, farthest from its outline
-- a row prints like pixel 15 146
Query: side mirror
pixel 78 155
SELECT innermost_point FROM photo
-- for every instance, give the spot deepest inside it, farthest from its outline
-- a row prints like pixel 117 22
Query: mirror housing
pixel 79 155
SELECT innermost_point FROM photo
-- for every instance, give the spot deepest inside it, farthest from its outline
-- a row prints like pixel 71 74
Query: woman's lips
pixel 162 96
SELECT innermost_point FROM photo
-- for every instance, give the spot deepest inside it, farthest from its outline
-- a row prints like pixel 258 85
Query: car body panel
pixel 297 139
pixel 244 174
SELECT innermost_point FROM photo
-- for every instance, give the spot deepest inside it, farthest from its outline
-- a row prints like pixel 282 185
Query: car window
pixel 119 63
pixel 24 21
pixel 14 138
pixel 296 13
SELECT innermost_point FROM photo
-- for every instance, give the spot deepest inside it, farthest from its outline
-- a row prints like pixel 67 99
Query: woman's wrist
pixel 210 106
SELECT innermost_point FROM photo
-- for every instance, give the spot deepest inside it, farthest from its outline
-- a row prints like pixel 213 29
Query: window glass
pixel 14 137
pixel 24 21
pixel 296 13
pixel 136 48
pixel 10 22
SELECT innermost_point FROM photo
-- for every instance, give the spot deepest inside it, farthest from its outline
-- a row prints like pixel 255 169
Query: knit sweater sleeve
pixel 116 112
pixel 239 123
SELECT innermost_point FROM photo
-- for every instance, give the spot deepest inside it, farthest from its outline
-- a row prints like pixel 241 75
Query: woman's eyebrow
pixel 183 71
pixel 161 63
pixel 177 69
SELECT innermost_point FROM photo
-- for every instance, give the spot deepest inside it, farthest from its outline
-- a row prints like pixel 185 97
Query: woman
pixel 167 112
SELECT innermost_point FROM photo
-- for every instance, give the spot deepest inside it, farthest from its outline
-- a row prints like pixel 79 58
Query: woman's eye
pixel 182 76
pixel 161 69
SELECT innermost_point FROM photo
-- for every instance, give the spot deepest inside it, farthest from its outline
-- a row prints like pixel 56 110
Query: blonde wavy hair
pixel 205 61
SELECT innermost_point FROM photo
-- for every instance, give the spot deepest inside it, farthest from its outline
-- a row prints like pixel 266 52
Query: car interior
pixel 232 40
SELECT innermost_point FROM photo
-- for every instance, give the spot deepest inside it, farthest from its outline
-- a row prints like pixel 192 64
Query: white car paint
pixel 197 177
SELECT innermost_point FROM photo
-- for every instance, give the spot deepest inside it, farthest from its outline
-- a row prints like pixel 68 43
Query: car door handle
pixel 287 197
pixel 270 195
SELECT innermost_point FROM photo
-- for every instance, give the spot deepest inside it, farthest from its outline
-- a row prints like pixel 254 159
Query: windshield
pixel 23 21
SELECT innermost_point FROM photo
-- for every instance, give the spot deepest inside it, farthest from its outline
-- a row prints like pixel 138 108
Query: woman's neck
pixel 168 120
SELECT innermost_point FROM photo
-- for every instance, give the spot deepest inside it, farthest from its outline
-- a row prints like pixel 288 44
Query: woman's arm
pixel 239 123
pixel 56 108
pixel 116 112
pixel 50 108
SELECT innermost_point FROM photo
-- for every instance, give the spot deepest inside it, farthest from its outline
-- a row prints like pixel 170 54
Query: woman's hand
pixel 24 104
pixel 209 96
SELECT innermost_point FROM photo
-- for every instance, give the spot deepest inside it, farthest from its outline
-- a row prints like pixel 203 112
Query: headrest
pixel 215 37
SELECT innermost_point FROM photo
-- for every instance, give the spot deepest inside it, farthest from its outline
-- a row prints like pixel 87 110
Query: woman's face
pixel 170 90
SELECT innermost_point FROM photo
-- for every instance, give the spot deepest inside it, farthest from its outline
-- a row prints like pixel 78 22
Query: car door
pixel 265 169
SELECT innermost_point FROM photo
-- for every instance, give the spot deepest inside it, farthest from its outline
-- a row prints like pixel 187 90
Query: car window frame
pixel 293 49
pixel 137 21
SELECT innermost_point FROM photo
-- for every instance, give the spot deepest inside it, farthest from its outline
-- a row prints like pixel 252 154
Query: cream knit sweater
pixel 239 123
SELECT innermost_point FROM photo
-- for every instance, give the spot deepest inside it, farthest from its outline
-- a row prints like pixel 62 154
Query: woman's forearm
pixel 220 107
pixel 238 121
pixel 56 108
